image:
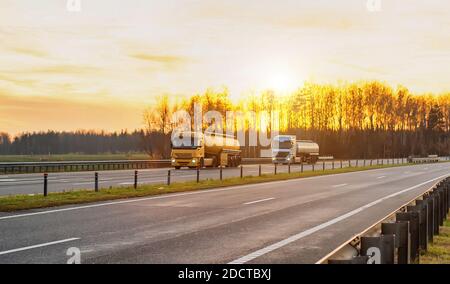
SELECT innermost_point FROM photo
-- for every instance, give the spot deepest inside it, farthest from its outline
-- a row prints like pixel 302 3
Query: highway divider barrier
pixel 95 166
pixel 402 235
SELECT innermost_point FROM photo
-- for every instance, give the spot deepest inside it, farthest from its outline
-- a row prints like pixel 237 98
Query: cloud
pixel 64 69
pixel 165 59
pixel 29 52
pixel 20 82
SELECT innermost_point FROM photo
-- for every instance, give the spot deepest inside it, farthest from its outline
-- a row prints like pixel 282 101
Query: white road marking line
pixel 381 177
pixel 339 185
pixel 308 232
pixel 8 180
pixel 38 246
pixel 259 201
pixel 179 194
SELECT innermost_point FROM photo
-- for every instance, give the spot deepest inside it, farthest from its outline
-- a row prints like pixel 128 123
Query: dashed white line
pixel 381 177
pixel 38 246
pixel 340 185
pixel 259 201
pixel 308 232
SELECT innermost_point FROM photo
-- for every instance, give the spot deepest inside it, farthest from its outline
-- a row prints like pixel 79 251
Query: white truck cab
pixel 286 149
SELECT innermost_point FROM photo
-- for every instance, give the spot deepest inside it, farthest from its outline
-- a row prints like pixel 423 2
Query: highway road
pixel 57 182
pixel 294 221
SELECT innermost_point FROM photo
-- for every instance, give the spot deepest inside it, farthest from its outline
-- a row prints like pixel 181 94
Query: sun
pixel 283 83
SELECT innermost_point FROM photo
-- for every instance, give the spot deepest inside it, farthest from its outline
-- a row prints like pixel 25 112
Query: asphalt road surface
pixel 294 221
pixel 57 182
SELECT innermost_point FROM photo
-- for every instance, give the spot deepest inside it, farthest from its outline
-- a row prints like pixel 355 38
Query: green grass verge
pixel 72 157
pixel 24 202
pixel 439 251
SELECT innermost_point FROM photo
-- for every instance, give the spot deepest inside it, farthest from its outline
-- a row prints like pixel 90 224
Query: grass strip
pixel 25 202
pixel 439 251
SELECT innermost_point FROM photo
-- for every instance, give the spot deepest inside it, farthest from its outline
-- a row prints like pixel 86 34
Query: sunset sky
pixel 99 68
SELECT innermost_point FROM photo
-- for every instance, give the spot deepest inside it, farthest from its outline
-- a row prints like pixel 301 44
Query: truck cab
pixel 206 150
pixel 189 153
pixel 284 149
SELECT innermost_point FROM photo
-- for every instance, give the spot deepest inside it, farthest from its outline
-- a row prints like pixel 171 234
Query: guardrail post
pixel 364 163
pixel 323 166
pixel 289 168
pixel 221 172
pixel 441 206
pixel 436 212
pixel 96 181
pixel 275 168
pixel 260 170
pixel 332 167
pixel 135 179
pixel 313 167
pixel 168 177
pixel 301 166
pixel 413 219
pixel 422 208
pixel 371 162
pixel 242 171
pixel 430 215
pixel 357 162
pixel 380 249
pixel 448 195
pixel 401 231
pixel 349 163
pixel 45 184
pixel 198 175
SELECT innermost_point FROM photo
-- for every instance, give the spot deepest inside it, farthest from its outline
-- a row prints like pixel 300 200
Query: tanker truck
pixel 286 149
pixel 206 150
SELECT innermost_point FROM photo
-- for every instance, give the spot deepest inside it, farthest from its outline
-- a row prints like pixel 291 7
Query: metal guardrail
pixel 74 166
pixel 399 237
pixel 70 166
pixel 426 160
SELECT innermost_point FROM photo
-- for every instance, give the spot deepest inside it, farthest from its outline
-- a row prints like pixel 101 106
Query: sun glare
pixel 284 83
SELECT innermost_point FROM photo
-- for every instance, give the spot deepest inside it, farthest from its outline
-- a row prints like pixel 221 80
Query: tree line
pixel 362 119
pixel 83 142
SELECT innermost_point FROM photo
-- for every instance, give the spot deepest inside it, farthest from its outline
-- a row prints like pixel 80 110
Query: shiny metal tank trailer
pixel 206 150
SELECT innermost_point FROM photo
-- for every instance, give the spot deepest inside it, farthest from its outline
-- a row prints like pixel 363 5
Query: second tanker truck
pixel 206 150
pixel 286 149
